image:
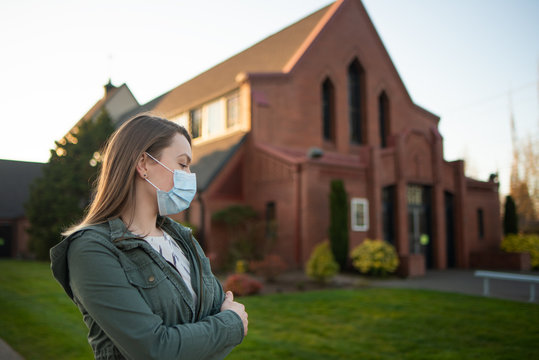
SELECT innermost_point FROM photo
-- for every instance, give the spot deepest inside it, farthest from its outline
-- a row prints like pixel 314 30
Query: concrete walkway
pixel 462 281
pixel 7 353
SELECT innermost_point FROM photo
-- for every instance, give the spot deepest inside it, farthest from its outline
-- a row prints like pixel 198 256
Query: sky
pixel 471 62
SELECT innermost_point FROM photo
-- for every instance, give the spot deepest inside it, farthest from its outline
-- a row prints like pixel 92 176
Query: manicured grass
pixel 40 322
pixel 36 317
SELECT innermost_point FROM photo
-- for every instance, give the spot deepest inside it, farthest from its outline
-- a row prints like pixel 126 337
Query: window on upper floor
pixel 195 122
pixel 182 119
pixel 215 117
pixel 328 110
pixel 212 119
pixel 383 118
pixel 356 102
pixel 232 111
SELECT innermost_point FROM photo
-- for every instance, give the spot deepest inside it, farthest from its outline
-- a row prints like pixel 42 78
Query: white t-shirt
pixel 169 249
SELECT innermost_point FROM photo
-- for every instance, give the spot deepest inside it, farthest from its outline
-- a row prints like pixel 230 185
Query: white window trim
pixel 353 212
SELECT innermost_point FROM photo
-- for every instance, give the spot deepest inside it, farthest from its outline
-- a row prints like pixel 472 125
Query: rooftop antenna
pixel 110 67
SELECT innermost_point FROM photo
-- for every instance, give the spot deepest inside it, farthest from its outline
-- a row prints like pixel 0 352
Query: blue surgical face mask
pixel 180 196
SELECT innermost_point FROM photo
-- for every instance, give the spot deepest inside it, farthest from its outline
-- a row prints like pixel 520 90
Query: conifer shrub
pixel 242 285
pixel 375 257
pixel 322 265
pixel 338 222
pixel 510 217
pixel 528 243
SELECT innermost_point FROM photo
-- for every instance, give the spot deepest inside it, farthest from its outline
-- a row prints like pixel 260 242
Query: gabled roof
pixel 148 107
pixel 269 55
pixel 15 186
pixel 110 92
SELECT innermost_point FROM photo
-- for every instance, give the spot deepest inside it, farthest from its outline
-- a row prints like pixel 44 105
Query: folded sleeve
pixel 99 283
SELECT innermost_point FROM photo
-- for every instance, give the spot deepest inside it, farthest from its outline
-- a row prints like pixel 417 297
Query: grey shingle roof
pixel 15 186
pixel 209 166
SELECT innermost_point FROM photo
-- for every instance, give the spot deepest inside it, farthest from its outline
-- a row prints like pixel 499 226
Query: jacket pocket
pixel 150 282
pixel 146 276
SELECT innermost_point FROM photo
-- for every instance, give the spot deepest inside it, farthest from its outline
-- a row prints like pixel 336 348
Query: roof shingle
pixel 269 55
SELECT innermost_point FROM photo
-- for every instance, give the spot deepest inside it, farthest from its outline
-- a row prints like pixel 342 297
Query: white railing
pixel 487 275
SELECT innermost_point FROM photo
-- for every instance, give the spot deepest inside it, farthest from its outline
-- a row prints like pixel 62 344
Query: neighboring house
pixel 320 100
pixel 14 192
pixel 117 101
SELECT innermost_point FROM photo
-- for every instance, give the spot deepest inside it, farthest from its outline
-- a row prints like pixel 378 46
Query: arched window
pixel 383 118
pixel 356 102
pixel 328 110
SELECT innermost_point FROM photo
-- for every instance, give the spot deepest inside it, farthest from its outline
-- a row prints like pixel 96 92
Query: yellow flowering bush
pixel 523 243
pixel 322 265
pixel 241 267
pixel 375 257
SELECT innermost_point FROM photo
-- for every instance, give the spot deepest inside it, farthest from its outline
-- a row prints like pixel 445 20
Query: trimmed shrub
pixel 242 285
pixel 510 217
pixel 269 268
pixel 241 267
pixel 322 265
pixel 375 257
pixel 338 222
pixel 523 243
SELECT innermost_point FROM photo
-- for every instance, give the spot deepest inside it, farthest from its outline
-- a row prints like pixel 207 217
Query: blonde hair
pixel 114 189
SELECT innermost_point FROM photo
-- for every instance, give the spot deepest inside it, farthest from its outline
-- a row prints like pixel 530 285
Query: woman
pixel 142 283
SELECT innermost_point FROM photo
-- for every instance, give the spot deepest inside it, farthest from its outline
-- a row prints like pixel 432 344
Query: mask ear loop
pixel 159 162
pixel 151 183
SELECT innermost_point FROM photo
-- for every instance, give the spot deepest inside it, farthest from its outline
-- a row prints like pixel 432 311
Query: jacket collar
pixel 118 230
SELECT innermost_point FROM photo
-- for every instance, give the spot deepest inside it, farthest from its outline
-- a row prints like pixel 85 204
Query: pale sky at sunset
pixel 457 58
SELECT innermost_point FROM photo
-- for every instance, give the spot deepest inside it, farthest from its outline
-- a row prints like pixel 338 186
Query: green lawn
pixel 40 322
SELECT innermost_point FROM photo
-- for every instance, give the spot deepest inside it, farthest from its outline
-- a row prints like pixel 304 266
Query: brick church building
pixel 321 100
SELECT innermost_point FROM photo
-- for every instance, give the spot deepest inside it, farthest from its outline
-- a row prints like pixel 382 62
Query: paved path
pixel 462 281
pixel 7 353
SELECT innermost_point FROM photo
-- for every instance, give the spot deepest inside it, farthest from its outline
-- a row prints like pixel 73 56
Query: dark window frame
pixel 328 110
pixel 195 122
pixel 480 224
pixel 356 102
pixel 383 118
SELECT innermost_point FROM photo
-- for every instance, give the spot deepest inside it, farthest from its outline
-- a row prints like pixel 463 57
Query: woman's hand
pixel 230 304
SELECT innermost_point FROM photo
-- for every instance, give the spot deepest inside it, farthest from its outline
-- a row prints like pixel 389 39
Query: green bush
pixel 375 257
pixel 523 243
pixel 510 217
pixel 338 222
pixel 322 265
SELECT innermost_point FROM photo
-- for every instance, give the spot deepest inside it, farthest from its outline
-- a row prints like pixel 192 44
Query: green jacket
pixel 135 303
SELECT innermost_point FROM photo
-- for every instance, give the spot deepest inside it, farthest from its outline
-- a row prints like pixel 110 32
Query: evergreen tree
pixel 59 197
pixel 510 218
pixel 338 222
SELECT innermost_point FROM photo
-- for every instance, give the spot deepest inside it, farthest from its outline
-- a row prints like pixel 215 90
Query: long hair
pixel 114 189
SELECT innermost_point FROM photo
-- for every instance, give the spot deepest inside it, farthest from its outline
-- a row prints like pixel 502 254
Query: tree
pixel 338 222
pixel 243 232
pixel 59 198
pixel 510 218
pixel 524 187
